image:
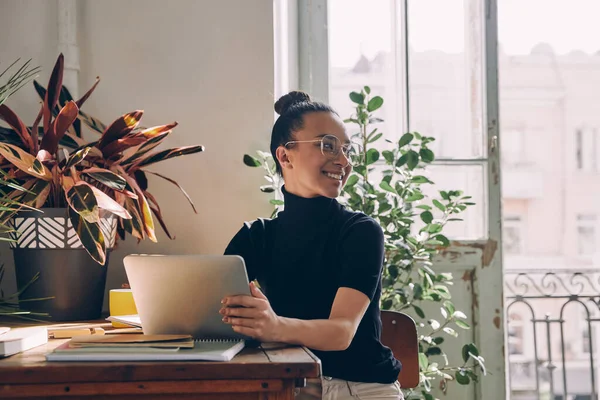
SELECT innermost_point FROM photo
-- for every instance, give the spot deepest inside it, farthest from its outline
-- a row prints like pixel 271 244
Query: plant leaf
pixel 135 225
pixel 251 161
pixel 372 156
pixel 53 91
pixel 105 202
pixel 120 128
pixel 144 209
pixel 352 180
pixel 357 98
pixel 25 161
pixel 81 198
pixel 77 157
pixel 157 213
pixel 86 95
pixel 166 154
pixel 106 177
pixel 63 120
pixel 91 236
pixel 187 196
pixel 387 187
pixel 419 311
pixel 412 159
pixel 405 139
pixel 462 379
pixel 155 131
pixel 92 122
pixel 426 155
pixel 122 144
pixel 439 205
pixel 427 217
pixel 146 147
pixel 375 103
pixel 7 115
pixel 462 324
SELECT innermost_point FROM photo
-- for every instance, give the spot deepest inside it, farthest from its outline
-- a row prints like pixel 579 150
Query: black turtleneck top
pixel 303 256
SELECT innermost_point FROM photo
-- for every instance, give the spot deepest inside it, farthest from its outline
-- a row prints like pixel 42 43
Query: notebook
pixel 133 340
pixel 203 350
pixel 17 340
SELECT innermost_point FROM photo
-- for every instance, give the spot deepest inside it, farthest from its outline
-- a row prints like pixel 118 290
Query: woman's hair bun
pixel 288 100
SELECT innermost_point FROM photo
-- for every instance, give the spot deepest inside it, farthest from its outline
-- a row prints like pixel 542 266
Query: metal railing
pixel 551 333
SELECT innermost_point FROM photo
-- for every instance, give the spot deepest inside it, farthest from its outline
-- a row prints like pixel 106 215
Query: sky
pixel 357 26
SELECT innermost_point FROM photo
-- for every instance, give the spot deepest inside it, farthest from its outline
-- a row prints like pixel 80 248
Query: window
pixel 431 82
pixel 513 147
pixel 515 334
pixel 586 149
pixel 586 234
pixel 512 238
pixel 585 333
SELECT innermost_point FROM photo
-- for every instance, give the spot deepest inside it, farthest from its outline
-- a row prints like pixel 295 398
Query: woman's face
pixel 306 171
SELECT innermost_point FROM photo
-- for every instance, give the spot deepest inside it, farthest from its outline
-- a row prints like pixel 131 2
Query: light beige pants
pixel 337 389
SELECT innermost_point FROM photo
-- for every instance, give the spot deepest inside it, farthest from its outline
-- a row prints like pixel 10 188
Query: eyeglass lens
pixel 331 147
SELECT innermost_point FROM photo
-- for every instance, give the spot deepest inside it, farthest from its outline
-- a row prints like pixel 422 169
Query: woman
pixel 318 263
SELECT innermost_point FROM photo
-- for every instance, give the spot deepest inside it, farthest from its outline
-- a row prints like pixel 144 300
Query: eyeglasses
pixel 331 147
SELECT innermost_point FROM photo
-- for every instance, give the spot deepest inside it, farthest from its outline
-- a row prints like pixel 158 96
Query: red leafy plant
pixel 58 168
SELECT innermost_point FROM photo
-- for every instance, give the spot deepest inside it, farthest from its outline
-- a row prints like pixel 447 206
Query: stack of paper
pixel 21 339
pixel 138 347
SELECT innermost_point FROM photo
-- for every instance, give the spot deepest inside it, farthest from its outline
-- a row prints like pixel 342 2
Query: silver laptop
pixel 181 294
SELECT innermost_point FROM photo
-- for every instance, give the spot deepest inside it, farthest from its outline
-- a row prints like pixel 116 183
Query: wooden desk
pixel 270 372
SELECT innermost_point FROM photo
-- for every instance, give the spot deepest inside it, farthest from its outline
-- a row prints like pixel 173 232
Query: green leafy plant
pixel 388 183
pixel 57 168
pixel 10 305
pixel 24 74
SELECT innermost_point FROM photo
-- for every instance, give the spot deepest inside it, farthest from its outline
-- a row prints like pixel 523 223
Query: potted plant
pixel 388 185
pixel 87 192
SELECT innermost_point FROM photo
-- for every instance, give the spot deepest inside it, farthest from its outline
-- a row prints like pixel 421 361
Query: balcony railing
pixel 552 324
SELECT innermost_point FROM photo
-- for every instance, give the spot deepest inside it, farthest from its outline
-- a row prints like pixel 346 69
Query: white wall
pixel 206 64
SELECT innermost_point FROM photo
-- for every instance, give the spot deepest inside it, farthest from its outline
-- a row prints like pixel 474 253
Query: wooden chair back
pixel 399 333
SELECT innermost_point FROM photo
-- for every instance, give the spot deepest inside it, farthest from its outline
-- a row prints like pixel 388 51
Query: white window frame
pixel 484 256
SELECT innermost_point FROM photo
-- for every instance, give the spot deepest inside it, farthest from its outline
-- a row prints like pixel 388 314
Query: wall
pixel 206 64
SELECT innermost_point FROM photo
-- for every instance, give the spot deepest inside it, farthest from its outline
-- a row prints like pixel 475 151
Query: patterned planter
pixel 46 243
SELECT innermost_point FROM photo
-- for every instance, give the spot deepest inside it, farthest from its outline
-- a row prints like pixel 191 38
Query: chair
pixel 399 333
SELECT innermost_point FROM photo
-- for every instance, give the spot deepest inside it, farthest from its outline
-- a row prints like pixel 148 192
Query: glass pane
pixel 364 50
pixel 471 180
pixel 361 54
pixel 445 75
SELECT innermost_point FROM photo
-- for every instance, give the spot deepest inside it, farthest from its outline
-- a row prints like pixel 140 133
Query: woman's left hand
pixel 252 315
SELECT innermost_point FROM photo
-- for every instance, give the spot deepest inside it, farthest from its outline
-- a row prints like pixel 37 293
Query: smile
pixel 333 176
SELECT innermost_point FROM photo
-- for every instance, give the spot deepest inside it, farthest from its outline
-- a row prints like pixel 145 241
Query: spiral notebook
pixel 203 350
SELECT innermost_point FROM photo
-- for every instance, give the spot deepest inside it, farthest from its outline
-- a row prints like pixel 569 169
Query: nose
pixel 342 159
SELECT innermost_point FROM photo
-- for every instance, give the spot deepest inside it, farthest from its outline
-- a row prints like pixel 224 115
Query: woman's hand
pixel 252 315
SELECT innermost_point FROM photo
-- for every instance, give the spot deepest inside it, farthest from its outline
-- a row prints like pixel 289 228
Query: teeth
pixel 334 176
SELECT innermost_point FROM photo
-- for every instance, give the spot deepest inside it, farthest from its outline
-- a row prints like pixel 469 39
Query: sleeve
pixel 362 253
pixel 243 245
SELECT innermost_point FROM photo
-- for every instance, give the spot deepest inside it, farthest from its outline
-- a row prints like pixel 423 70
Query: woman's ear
pixel 283 157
